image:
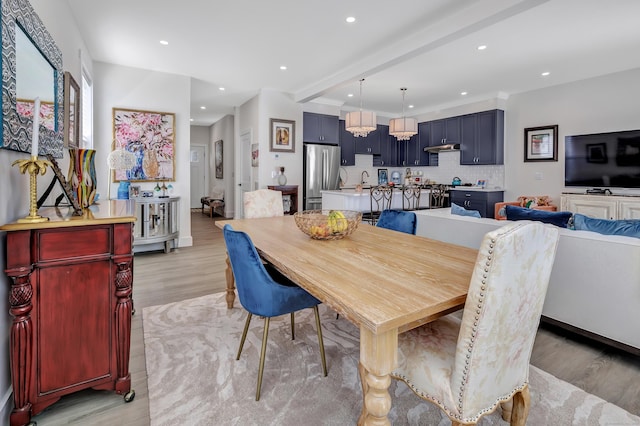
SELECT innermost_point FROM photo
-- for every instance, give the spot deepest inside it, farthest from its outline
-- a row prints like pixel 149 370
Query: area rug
pixel 194 378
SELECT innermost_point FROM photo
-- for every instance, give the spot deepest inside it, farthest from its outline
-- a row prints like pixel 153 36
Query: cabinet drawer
pixel 66 243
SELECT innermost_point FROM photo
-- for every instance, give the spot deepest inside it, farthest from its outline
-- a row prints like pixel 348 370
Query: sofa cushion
pixel 554 218
pixel 629 228
pixel 461 211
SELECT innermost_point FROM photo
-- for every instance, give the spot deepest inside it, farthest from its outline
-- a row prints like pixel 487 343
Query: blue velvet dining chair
pixel 398 220
pixel 261 295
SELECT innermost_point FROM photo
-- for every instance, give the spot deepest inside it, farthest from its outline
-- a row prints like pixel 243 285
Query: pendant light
pixel 403 128
pixel 360 123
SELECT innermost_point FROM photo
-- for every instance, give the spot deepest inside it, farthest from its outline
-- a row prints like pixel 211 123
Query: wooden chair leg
pixel 320 340
pixel 520 410
pixel 244 335
pixel 293 333
pixel 263 351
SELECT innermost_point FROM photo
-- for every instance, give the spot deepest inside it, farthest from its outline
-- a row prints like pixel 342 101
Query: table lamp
pixel 123 160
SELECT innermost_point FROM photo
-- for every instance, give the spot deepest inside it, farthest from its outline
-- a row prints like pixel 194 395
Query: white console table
pixel 612 207
pixel 157 221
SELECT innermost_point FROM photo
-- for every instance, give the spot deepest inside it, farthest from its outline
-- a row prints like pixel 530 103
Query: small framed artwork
pixel 71 112
pixel 541 143
pixel 282 135
pixel 383 176
pixel 597 153
pixel 219 159
pixel 134 191
pixel 146 194
pixel 481 183
pixel 255 155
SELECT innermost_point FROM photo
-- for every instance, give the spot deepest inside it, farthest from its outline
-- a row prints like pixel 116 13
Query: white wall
pixel 246 121
pixel 603 104
pixel 124 87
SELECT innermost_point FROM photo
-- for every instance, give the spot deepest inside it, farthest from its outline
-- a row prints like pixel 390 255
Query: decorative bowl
pixel 327 224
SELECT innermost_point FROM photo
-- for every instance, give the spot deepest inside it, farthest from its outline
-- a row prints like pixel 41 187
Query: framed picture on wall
pixel 541 143
pixel 71 112
pixel 255 155
pixel 282 135
pixel 219 159
pixel 150 136
pixel 383 176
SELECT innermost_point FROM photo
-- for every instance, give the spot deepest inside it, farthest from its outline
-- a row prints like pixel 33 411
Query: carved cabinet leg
pixel 123 281
pixel 21 355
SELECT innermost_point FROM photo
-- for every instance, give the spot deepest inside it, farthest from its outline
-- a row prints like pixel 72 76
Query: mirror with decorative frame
pixel 31 68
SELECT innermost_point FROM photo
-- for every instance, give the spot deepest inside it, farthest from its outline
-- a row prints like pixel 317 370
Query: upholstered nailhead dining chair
pixel 398 220
pixel 261 295
pixel 380 196
pixel 468 367
pixel 262 203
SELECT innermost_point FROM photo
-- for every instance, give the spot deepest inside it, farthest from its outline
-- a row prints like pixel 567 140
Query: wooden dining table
pixel 383 281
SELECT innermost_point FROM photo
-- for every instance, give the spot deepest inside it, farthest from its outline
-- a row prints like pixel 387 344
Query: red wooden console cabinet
pixel 70 299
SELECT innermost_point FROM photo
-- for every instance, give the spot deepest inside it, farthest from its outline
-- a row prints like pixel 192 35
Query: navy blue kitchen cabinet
pixel 320 128
pixel 370 144
pixel 445 131
pixel 482 138
pixel 347 146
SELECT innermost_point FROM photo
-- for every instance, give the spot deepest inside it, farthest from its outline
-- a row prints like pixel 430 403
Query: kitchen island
pixel 349 199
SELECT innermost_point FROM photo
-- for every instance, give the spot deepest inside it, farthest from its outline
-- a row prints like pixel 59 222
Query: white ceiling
pixel 428 46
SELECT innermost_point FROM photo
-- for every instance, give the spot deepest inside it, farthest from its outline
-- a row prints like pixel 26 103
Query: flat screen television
pixel 603 160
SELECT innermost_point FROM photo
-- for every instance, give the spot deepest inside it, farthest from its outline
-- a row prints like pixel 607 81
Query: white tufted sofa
pixel 595 281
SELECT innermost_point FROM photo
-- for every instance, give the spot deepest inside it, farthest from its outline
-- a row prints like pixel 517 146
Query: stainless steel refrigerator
pixel 321 172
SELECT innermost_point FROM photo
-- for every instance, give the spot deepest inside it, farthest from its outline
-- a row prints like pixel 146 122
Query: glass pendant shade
pixel 403 128
pixel 360 123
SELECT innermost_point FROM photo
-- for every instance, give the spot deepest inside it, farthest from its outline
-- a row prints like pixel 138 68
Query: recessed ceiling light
pixel 546 73
pixel 203 107
pixel 191 119
pixel 221 88
pixel 164 42
pixel 482 47
pixel 350 95
pixel 283 67
pixel 351 19
pixel 410 106
pixel 463 93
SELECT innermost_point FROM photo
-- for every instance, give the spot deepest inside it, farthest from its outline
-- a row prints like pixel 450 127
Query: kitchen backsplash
pixel 448 168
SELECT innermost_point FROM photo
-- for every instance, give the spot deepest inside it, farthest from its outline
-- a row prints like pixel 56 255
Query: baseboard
pixel 591 336
pixel 7 406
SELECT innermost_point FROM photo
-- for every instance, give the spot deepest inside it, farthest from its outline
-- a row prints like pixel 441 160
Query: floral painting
pixel 47 112
pixel 150 136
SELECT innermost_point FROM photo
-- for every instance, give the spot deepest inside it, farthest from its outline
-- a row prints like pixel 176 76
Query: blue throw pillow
pixel 554 218
pixel 461 211
pixel 629 228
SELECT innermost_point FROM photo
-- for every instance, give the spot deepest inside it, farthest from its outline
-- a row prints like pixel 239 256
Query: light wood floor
pixel 190 272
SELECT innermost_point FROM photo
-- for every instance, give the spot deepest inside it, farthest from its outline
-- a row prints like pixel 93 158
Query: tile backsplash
pixel 448 168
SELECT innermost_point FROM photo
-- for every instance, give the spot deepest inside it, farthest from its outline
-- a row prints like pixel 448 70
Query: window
pixel 87 109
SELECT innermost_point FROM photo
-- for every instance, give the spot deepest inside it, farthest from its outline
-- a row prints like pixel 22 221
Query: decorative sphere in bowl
pixel 327 224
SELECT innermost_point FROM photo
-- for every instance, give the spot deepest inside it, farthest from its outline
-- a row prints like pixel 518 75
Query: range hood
pixel 444 147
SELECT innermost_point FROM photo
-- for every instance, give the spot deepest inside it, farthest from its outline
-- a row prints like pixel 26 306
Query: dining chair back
pixel 438 196
pixel 398 220
pixel 469 366
pixel 411 197
pixel 262 203
pixel 380 199
pixel 261 295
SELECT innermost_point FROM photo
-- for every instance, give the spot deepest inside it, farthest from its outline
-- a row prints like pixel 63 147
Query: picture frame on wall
pixel 219 159
pixel 383 176
pixel 541 143
pixel 282 135
pixel 150 136
pixel 255 155
pixel 72 110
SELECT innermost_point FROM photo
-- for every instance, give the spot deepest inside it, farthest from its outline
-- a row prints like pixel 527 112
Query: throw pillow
pixel 461 211
pixel 629 228
pixel 554 218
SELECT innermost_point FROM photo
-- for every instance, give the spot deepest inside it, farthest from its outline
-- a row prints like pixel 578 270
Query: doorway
pixel 199 168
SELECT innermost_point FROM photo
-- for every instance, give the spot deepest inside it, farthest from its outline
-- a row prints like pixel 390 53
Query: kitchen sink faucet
pixel 362 181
